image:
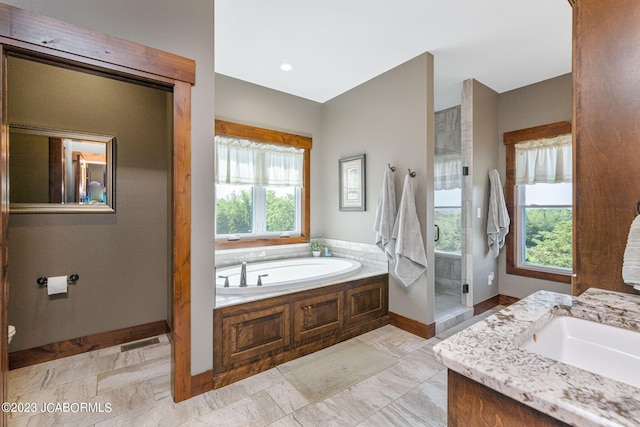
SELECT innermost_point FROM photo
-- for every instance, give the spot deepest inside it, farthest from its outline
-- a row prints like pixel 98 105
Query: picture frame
pixel 352 174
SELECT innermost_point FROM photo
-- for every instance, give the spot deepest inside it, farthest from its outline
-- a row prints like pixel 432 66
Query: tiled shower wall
pixel 448 273
pixel 447 131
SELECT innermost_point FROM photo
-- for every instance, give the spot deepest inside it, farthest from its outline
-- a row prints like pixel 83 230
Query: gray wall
pixel 120 257
pixel 537 104
pixel 480 148
pixel 183 28
pixel 390 119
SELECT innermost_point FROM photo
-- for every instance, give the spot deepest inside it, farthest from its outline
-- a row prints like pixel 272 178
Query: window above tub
pixel 262 186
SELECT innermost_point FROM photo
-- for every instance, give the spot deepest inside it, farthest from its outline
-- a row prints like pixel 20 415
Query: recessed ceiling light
pixel 285 66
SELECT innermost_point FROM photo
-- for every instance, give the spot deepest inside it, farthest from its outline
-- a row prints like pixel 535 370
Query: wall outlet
pixel 490 279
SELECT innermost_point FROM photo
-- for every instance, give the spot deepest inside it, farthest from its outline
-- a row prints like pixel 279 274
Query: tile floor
pixel 136 385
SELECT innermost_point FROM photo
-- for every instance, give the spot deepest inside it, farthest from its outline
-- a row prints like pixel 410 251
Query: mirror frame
pixel 58 208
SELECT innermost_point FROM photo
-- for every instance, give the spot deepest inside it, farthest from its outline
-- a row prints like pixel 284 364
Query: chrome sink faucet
pixel 243 275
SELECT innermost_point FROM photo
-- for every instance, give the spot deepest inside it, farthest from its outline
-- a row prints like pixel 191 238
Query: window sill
pixel 237 244
pixel 537 274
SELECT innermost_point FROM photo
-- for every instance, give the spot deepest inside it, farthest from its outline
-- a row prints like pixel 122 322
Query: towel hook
pixel 638 207
pixel 393 168
pixel 412 174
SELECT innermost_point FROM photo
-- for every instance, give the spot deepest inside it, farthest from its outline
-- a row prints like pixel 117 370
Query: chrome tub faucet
pixel 243 275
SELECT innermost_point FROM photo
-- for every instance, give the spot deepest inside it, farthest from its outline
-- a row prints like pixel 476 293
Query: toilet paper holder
pixel 42 281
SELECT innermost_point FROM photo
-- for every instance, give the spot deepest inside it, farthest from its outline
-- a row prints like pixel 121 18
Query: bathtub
pixel 286 275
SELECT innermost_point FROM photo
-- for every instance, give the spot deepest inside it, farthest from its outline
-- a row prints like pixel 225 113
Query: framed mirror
pixel 59 171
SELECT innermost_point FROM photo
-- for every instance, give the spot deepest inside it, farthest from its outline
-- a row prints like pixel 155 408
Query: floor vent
pixel 139 344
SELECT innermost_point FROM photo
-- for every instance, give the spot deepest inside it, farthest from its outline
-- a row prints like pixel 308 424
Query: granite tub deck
pixel 488 353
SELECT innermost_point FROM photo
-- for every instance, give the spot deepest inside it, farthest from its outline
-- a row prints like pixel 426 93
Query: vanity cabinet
pixel 473 404
pixel 255 336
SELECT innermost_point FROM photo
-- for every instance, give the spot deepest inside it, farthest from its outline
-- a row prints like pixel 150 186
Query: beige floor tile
pixel 81 368
pixel 27 380
pixel 163 413
pixel 394 415
pixel 419 365
pixel 76 391
pixel 379 334
pixel 121 401
pixel 287 397
pixel 137 385
pixel 324 414
pixel 430 343
pixel 428 401
pixel 363 399
pixel 161 386
pixel 119 378
pixel 156 351
pixel 256 410
pixel 287 421
pixel 396 381
pixel 400 344
pixel 241 389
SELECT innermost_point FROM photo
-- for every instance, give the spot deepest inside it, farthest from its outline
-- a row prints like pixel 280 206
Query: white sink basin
pixel 606 350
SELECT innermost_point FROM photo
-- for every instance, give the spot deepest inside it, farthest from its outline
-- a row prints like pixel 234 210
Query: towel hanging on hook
pixel 412 174
pixel 393 168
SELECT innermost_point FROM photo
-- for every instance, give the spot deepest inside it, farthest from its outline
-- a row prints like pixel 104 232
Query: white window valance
pixel 244 162
pixel 544 161
pixel 447 171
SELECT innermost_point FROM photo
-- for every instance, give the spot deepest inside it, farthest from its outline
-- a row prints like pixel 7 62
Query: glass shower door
pixel 447 213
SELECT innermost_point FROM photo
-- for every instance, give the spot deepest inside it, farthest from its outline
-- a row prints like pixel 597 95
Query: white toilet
pixel 12 332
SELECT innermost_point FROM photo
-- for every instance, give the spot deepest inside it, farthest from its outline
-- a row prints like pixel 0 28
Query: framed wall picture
pixel 352 183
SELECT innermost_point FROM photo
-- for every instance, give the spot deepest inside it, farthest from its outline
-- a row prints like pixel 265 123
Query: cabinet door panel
pixel 250 335
pixel 316 316
pixel 366 303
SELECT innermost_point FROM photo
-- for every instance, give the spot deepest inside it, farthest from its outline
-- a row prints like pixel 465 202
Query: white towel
pixel 386 215
pixel 497 218
pixel 411 259
pixel 631 264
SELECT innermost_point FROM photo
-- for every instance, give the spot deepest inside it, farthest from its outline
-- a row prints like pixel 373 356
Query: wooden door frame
pixel 63 44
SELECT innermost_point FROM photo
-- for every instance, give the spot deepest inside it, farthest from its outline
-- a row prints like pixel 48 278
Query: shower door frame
pixel 62 44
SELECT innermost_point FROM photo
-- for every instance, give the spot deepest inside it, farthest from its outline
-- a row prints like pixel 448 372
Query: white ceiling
pixel 335 45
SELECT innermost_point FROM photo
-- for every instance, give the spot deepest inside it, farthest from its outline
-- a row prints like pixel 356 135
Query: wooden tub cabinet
pixel 255 336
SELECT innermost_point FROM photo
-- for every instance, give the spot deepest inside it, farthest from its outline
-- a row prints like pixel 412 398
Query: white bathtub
pixel 286 275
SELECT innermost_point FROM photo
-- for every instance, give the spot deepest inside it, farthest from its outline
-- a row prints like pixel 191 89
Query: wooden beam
pixel 181 375
pixel 263 135
pixel 27 28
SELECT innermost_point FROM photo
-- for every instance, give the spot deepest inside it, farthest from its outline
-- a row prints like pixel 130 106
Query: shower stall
pixel 450 302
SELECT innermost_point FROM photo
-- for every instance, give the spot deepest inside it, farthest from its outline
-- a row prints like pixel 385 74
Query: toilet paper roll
pixel 57 285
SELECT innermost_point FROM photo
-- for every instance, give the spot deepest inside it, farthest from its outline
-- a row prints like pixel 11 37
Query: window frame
pixel 513 242
pixel 520 242
pixel 259 201
pixel 268 136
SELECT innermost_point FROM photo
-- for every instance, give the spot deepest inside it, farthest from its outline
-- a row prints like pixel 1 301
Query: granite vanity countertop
pixel 488 353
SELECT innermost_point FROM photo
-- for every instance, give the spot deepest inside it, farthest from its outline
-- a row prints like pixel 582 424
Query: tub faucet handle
pixel 243 275
pixel 226 280
pixel 260 278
